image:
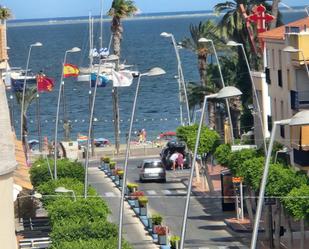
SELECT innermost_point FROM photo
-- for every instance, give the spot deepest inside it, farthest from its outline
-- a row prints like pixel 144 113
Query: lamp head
pixel 165 34
pixel 300 118
pixel 156 71
pixel 203 39
pixel 74 50
pixel 37 44
pixel 233 44
pixel 228 92
pixel 290 49
pixel 61 190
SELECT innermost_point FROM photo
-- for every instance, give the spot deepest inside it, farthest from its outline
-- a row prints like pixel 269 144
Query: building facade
pixel 287 77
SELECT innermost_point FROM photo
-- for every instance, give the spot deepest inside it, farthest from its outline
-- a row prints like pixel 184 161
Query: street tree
pixel 120 9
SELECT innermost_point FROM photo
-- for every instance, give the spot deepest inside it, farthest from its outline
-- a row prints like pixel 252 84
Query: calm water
pixel 158 106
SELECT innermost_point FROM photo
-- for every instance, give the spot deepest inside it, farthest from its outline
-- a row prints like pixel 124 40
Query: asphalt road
pixel 205 226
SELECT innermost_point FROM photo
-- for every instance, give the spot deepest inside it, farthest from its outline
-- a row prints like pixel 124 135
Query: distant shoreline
pixel 150 16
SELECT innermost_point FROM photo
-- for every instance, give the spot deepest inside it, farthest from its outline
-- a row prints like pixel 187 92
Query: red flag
pixel 70 70
pixel 44 84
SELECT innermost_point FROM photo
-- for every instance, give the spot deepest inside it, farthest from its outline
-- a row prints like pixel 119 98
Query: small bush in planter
pixel 142 200
pixel 120 173
pixel 161 230
pixel 156 219
pixel 174 241
pixel 136 194
pixel 132 187
pixel 106 160
pixel 112 165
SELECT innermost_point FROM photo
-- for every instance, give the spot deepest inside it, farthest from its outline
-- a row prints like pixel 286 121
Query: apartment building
pixel 287 78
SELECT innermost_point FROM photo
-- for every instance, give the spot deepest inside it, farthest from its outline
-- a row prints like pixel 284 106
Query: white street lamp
pixel 301 118
pixel 181 80
pixel 64 190
pixel 156 71
pixel 204 40
pixel 259 113
pixel 37 44
pixel 290 49
pixel 73 50
pixel 90 130
pixel 226 92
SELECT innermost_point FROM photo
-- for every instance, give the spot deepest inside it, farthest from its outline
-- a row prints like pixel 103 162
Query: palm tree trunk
pixel 212 115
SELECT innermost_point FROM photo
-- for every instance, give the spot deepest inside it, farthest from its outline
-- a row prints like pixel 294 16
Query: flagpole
pixel 38 116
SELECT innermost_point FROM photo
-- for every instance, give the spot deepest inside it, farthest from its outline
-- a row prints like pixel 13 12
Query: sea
pixel 142 47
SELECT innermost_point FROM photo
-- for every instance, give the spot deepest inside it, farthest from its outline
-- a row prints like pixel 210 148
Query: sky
pixel 32 9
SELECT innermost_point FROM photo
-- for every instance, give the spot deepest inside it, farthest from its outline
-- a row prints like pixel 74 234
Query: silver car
pixel 152 169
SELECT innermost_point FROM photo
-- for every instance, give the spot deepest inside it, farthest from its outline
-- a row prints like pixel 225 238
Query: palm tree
pixel 30 95
pixel 5 14
pixel 119 10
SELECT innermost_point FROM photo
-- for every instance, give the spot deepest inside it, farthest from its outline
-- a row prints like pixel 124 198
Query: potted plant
pixel 142 201
pixel 132 187
pixel 155 220
pixel 119 173
pixel 105 161
pixel 162 232
pixel 174 240
pixel 112 166
pixel 134 196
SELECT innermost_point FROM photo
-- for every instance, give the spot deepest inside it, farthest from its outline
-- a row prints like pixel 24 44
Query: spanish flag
pixel 70 70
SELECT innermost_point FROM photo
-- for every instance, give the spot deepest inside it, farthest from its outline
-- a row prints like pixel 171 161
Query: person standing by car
pixel 180 161
pixel 173 158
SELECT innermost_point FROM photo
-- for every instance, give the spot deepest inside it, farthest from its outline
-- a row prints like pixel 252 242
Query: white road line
pixel 180 191
pixel 166 192
pixel 222 247
pixel 151 192
pixel 110 194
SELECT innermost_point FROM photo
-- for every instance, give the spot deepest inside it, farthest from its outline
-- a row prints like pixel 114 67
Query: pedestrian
pixel 173 158
pixel 140 136
pixel 144 134
pixel 180 161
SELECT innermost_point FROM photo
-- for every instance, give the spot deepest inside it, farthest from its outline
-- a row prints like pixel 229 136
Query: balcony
pixel 299 100
pixel 301 158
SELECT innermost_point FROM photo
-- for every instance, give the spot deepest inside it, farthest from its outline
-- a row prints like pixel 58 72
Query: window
pixel 282 131
pixel 294 100
pixel 280 78
pixel 282 109
pixel 280 58
pixel 275 109
pixel 267 73
pixel 288 76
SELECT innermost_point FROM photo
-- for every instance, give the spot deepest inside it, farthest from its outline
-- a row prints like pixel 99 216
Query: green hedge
pixel 82 229
pixel 48 188
pixel 91 244
pixel 39 172
pixel 222 154
pixel 92 209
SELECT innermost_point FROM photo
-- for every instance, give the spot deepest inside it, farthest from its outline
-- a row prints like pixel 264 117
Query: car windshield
pixel 153 165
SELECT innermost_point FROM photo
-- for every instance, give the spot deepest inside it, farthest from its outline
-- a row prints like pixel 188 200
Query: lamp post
pixel 204 40
pixel 90 130
pixel 290 49
pixel 64 190
pixel 226 92
pixel 73 50
pixel 301 118
pixel 181 80
pixel 156 71
pixel 236 44
pixel 37 44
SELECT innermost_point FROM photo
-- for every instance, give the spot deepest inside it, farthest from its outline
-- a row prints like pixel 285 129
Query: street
pixel 205 226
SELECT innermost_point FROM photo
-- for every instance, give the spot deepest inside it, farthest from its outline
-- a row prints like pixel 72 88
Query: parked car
pixel 152 169
pixel 172 147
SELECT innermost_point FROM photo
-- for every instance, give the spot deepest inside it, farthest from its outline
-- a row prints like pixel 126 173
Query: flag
pixel 70 70
pixel 44 84
pixel 103 80
pixel 122 78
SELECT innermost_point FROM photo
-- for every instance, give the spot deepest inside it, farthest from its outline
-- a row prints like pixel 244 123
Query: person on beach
pixel 144 135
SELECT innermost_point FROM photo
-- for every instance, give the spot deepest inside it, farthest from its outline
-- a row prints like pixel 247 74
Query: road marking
pixel 180 191
pixel 151 192
pixel 222 247
pixel 166 192
pixel 110 194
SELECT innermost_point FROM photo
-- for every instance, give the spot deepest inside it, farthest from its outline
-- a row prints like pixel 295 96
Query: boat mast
pixel 101 25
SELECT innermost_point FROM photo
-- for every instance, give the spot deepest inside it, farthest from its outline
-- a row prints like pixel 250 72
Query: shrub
pixel 90 209
pixel 106 159
pixel 222 154
pixel 161 230
pixel 91 244
pixel 132 186
pixel 112 165
pixel 174 240
pixel 82 229
pixel 156 219
pixel 136 194
pixel 238 157
pixel 39 172
pixel 143 200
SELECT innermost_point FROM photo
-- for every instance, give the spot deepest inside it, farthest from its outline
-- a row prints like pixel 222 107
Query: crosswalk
pixel 154 193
